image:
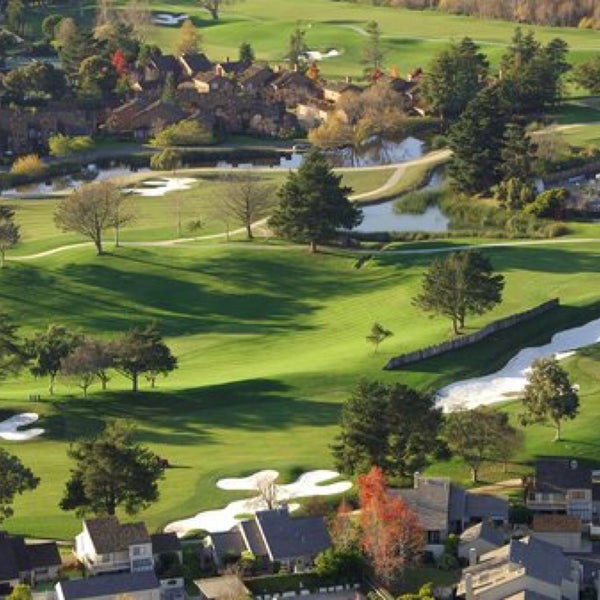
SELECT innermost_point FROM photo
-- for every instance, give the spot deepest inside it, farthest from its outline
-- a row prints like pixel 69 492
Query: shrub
pixel 520 515
pixel 166 160
pixel 549 204
pixel 185 133
pixel 29 165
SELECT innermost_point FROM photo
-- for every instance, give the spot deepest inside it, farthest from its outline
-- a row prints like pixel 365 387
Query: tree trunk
pixel 117 236
pixel 557 437
pixel 84 388
pixel 98 244
pixel 474 474
pixel 214 12
pixel 313 246
pixel 2 259
pixel 103 380
pixel 249 231
pixel 153 382
pixel 51 385
pixel 455 325
pixel 134 381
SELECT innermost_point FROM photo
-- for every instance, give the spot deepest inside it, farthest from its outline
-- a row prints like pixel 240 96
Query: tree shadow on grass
pixel 186 417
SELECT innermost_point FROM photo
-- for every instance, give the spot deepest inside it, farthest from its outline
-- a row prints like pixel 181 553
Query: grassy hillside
pixel 270 341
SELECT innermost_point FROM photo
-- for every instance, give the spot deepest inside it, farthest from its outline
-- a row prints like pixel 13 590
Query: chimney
pixel 472 557
pixel 469 594
pixel 416 478
pixel 219 71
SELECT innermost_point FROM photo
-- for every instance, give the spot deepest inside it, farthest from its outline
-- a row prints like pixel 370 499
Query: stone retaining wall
pixel 465 340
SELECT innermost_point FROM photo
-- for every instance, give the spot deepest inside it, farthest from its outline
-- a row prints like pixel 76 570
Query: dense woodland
pixel 571 13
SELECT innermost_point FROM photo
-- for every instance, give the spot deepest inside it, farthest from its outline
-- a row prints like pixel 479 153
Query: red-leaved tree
pixel 392 538
pixel 119 62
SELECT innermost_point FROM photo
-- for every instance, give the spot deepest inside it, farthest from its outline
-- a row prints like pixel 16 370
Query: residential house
pixel 222 588
pixel 231 67
pixel 26 563
pixel 333 91
pixel 154 118
pixel 524 568
pixel 159 66
pixel 213 82
pixel 255 78
pixel 480 539
pixel 444 508
pixel 166 543
pixel 273 537
pixel 107 546
pixel 564 531
pixel 195 63
pixel 566 486
pixel 293 88
pixel 133 586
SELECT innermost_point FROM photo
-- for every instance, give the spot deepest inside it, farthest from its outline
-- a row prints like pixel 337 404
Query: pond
pixel 383 217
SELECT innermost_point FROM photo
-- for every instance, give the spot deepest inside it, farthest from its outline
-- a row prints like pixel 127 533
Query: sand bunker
pixel 169 19
pixel 312 55
pixel 511 379
pixel 308 484
pixel 160 187
pixel 9 428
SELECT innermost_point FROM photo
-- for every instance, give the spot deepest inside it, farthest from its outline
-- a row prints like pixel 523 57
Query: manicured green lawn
pixel 269 341
pixel 157 217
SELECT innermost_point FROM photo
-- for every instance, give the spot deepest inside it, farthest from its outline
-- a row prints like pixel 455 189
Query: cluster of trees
pixel 84 360
pixel 400 430
pixel 487 135
pixel 111 470
pixel 565 13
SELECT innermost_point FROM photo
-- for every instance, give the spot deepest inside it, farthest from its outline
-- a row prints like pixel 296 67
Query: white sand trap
pixel 511 379
pixel 160 187
pixel 312 55
pixel 308 484
pixel 9 428
pixel 169 19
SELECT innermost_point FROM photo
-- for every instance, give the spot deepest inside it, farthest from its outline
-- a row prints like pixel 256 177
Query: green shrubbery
pixel 185 133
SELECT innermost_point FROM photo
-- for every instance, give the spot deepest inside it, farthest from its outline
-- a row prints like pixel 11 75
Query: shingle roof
pixel 485 506
pixel 197 62
pixel 483 531
pixel 227 586
pixel 227 543
pixel 165 543
pixel 556 523
pixel 536 556
pixel 287 537
pixel 9 568
pixel 43 555
pixel 429 501
pixel 253 538
pixel 107 585
pixel 108 535
pixel 557 475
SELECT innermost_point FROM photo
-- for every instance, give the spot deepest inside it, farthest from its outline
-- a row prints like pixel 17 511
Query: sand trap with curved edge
pixel 223 519
pixel 512 378
pixel 9 429
pixel 159 187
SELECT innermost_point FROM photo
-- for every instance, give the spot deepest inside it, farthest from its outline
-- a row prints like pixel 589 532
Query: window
pixel 433 537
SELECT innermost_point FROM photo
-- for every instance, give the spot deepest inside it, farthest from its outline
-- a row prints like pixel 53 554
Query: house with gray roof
pixel 133 586
pixel 26 563
pixel 273 536
pixel 107 546
pixel 525 568
pixel 567 486
pixel 480 539
pixel 444 508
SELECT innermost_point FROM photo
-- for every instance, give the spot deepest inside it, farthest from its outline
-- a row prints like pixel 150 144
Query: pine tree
pixel 476 141
pixel 313 204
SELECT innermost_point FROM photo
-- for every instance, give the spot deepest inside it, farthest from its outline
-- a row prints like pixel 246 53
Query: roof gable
pixel 108 535
pixel 107 585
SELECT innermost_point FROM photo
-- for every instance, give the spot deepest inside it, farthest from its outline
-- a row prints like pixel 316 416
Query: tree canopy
pixel 112 470
pixel 461 284
pixel 142 351
pixel 15 478
pixel 454 78
pixel 549 395
pixel 9 231
pixel 391 426
pixel 313 204
pixel 479 435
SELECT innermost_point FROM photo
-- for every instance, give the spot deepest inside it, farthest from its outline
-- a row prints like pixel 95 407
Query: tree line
pixel 82 359
pixel 562 13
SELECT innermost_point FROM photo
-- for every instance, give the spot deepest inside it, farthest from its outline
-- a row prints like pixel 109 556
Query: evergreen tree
pixel 296 47
pixel 112 471
pixel 518 153
pixel 313 204
pixel 372 54
pixel 476 142
pixel 454 78
pixel 9 231
pixel 15 478
pixel 391 426
pixel 460 284
pixel 246 53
